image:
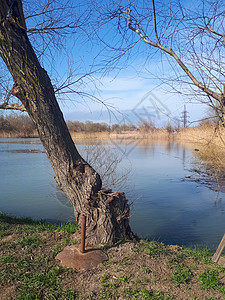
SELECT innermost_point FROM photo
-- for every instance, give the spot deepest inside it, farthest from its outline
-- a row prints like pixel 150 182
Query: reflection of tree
pixel 169 147
pixel 184 156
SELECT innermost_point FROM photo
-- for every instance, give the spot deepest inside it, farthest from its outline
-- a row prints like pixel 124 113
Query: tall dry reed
pixel 209 143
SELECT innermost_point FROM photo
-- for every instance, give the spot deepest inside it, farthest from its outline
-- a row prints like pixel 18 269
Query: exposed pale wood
pixel 216 256
pixel 221 261
pixel 15 106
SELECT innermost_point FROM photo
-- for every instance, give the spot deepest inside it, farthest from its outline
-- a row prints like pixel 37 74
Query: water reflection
pixel 184 156
pixel 169 208
pixel 23 151
pixel 28 141
pixel 168 205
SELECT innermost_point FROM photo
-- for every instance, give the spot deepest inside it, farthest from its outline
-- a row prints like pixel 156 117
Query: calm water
pixel 167 207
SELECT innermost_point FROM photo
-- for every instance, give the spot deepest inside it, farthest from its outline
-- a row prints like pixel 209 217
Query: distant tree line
pixel 21 125
pixel 16 125
pixel 90 126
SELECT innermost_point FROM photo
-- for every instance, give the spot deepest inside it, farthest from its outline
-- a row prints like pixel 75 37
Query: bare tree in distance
pixel 107 213
pixel 188 37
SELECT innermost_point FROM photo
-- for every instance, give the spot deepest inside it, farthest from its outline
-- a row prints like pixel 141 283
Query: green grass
pixel 210 280
pixel 124 279
pixel 104 280
pixel 58 247
pixel 67 227
pixel 27 261
pixel 105 295
pixel 7 259
pixel 107 283
pixel 199 253
pixel 154 295
pixel 44 283
pixel 31 226
pixel 146 270
pixel 132 293
pixel 181 274
pixel 155 249
pixel 29 241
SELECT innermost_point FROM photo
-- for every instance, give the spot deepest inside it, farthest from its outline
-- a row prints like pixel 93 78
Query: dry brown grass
pixel 157 134
pixel 21 134
pixel 209 140
pixel 202 135
pixel 90 135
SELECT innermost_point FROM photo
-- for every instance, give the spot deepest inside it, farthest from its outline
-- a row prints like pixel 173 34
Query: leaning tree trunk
pixel 107 213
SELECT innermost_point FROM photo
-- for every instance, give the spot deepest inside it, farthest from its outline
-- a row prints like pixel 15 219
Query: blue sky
pixel 120 92
pixel 123 94
pixel 123 87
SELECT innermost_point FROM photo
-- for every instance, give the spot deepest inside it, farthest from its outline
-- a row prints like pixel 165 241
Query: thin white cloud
pixel 123 94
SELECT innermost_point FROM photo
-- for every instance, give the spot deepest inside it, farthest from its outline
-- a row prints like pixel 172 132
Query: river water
pixel 167 205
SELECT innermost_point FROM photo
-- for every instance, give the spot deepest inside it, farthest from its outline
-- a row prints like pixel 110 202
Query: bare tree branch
pixel 155 24
pixel 169 51
pixel 15 106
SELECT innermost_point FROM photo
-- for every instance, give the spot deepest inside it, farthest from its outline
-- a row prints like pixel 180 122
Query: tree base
pixel 107 219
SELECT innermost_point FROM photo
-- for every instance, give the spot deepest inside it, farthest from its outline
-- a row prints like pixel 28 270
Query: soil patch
pixel 141 270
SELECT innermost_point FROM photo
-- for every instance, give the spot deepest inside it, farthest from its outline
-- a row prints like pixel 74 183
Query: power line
pixel 184 117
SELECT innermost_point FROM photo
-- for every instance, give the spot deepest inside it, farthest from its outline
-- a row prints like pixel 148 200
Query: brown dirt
pixel 129 260
pixel 129 269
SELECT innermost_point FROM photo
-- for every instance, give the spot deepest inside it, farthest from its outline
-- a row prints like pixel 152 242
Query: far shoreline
pixel 207 141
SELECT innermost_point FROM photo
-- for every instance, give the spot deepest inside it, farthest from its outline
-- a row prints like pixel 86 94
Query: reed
pixel 209 143
pixel 105 135
pixel 20 134
pixel 156 134
pixel 207 140
pixel 204 134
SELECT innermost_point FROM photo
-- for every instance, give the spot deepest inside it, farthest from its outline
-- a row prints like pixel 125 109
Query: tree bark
pixel 107 213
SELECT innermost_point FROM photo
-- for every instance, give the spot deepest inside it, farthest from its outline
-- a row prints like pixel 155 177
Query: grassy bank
pixel 144 270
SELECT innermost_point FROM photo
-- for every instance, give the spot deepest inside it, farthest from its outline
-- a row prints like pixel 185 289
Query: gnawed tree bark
pixel 107 213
